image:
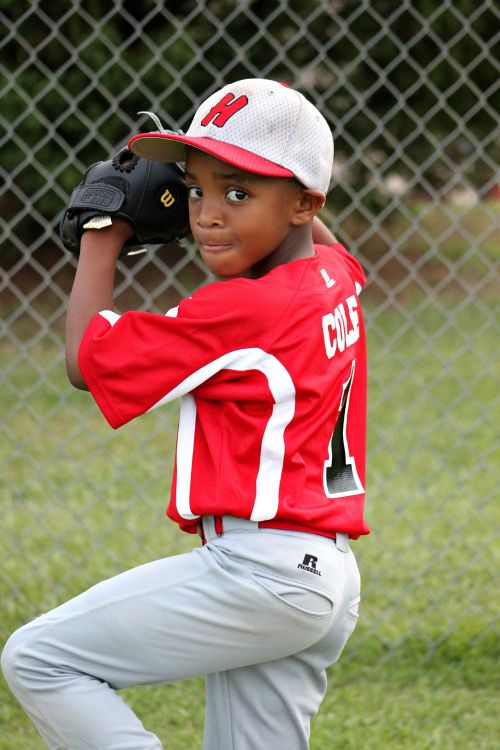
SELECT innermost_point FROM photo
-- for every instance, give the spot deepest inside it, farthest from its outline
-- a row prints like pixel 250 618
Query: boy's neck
pixel 298 244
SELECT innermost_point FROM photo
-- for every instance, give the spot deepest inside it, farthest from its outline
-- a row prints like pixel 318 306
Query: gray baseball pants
pixel 261 613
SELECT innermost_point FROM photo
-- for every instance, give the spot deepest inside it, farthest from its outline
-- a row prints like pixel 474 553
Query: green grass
pixel 455 228
pixel 80 502
pixel 437 230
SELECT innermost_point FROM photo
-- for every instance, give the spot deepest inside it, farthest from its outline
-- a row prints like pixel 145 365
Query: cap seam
pixel 290 138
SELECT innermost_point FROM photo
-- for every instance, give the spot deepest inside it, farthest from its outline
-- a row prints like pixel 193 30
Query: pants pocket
pixel 304 599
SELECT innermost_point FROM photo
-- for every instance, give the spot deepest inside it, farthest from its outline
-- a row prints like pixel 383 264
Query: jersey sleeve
pixel 338 255
pixel 137 361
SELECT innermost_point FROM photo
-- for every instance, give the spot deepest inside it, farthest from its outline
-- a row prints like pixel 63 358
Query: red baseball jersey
pixel 271 373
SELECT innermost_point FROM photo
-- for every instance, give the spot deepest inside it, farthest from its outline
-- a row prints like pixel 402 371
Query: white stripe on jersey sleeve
pixel 110 316
pixel 273 443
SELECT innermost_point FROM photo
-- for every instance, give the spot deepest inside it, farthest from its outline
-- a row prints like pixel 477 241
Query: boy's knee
pixel 7 657
pixel 14 655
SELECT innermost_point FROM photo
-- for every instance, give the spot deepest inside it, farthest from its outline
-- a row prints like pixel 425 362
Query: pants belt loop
pixel 210 527
pixel 342 542
pixel 201 532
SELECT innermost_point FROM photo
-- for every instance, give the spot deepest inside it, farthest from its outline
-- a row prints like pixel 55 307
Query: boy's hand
pixel 150 195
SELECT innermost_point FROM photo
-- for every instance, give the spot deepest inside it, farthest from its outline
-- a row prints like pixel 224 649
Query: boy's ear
pixel 307 205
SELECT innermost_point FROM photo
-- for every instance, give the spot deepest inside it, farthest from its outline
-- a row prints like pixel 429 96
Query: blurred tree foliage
pixel 407 87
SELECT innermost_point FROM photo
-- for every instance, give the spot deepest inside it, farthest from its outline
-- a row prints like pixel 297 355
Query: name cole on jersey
pixel 341 327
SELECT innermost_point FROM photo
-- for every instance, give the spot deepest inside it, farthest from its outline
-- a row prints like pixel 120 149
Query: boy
pixel 270 365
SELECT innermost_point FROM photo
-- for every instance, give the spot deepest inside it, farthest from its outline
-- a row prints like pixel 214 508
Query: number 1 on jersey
pixel 340 476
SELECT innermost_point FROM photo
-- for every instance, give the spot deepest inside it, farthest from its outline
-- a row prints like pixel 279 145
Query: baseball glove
pixel 150 195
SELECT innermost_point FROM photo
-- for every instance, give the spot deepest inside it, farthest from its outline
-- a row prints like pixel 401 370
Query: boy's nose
pixel 209 214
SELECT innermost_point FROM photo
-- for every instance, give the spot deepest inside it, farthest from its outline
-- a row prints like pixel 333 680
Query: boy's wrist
pixel 109 240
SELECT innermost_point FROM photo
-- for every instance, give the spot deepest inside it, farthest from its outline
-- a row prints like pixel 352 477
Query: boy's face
pixel 241 222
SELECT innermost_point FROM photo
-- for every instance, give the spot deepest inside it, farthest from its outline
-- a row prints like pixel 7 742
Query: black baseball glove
pixel 150 195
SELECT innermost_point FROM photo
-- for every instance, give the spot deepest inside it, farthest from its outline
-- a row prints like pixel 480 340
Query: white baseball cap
pixel 257 125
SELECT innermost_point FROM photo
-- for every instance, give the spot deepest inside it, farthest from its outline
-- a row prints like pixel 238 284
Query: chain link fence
pixel 411 92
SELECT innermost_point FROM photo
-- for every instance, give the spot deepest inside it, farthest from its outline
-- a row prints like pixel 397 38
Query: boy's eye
pixel 195 192
pixel 236 195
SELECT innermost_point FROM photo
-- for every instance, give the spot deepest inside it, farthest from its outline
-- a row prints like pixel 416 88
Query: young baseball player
pixel 269 364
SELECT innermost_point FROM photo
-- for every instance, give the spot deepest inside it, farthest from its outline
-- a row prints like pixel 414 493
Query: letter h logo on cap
pixel 223 110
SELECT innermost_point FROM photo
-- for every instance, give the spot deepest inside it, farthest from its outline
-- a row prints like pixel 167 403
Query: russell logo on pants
pixel 309 563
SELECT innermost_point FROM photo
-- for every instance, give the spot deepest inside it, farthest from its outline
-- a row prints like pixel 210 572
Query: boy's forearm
pixel 92 289
pixel 321 234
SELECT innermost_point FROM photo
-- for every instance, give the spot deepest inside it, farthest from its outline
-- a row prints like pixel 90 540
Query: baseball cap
pixel 257 125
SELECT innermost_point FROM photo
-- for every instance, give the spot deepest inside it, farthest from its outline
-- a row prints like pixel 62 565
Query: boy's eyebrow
pixel 234 175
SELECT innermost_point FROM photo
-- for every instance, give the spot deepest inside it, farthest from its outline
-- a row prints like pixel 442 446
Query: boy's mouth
pixel 215 247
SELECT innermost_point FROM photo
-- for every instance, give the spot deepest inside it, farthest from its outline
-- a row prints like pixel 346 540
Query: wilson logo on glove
pixel 167 199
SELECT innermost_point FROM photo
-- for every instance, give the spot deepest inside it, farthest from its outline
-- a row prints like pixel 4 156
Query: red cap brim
pixel 170 147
